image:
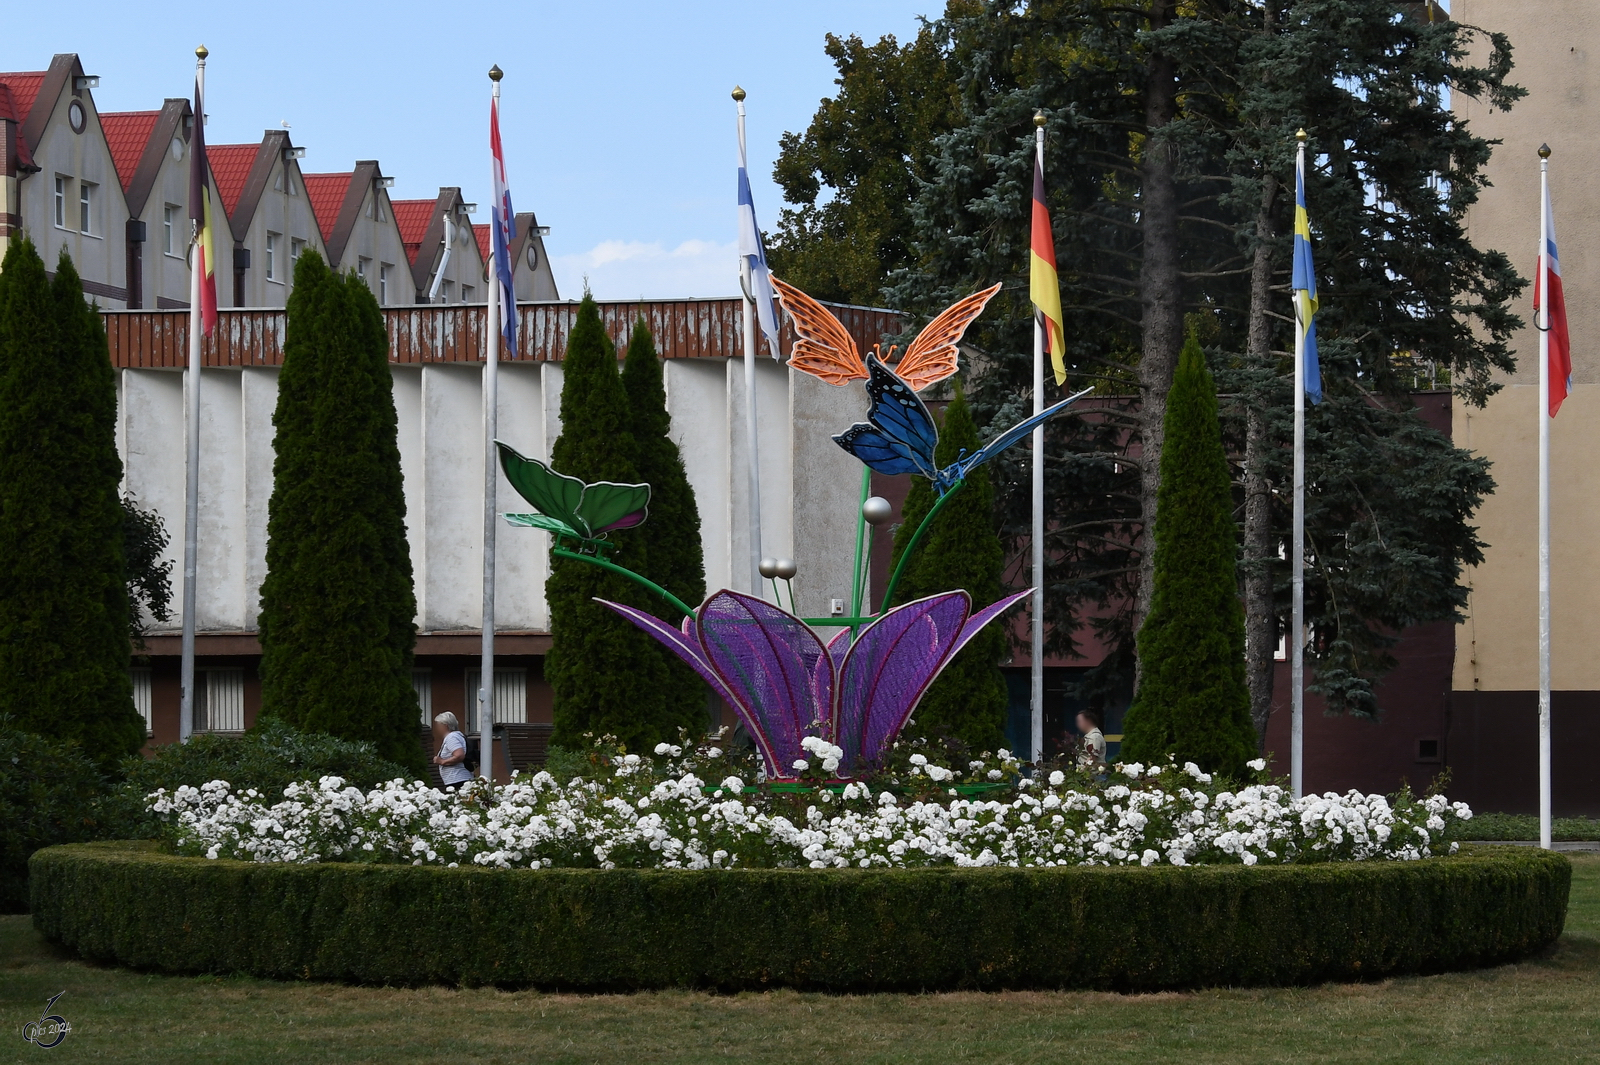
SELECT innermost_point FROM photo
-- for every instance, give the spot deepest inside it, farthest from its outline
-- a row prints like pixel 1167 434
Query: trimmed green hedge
pixel 836 930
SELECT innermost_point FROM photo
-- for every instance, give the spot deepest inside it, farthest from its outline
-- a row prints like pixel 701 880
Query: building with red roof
pixel 359 230
pixel 442 248
pixel 535 280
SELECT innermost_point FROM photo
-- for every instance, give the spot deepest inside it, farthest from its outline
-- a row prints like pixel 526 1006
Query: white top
pixel 1093 752
pixel 458 773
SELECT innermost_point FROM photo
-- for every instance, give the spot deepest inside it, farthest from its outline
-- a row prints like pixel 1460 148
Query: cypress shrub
pixel 64 648
pixel 50 792
pixel 838 930
pixel 1193 702
pixel 338 611
pixel 674 555
pixel 606 675
pixel 960 550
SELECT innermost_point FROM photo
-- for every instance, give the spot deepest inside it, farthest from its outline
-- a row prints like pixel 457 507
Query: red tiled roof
pixel 326 193
pixel 9 110
pixel 24 90
pixel 413 217
pixel 127 134
pixel 481 231
pixel 230 167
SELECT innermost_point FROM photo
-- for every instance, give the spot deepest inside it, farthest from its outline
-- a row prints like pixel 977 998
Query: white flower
pixel 919 759
pixel 801 765
pixel 714 752
pixel 1258 764
pixel 663 748
pixel 1057 778
pixel 830 764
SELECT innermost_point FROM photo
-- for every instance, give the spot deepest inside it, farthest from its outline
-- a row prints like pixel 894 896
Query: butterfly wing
pixel 902 434
pixel 607 505
pixel 1010 436
pixel 555 495
pixel 542 521
pixel 932 356
pixel 823 347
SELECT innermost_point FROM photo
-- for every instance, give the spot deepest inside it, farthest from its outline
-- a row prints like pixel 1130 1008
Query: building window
pixel 446 289
pixel 422 684
pixel 219 700
pixel 141 695
pixel 288 183
pixel 468 293
pixel 297 248
pixel 361 267
pixel 86 207
pixel 272 256
pixel 61 203
pixel 169 229
pixel 510 697
pixel 383 284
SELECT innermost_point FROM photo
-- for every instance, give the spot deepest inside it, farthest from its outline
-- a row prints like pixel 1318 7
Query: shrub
pixel 338 610
pixel 835 929
pixel 1508 827
pixel 50 792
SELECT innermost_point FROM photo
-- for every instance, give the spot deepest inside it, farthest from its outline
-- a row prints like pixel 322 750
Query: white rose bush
pixel 677 811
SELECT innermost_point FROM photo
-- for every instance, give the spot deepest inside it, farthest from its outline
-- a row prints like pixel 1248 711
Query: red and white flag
pixel 1555 316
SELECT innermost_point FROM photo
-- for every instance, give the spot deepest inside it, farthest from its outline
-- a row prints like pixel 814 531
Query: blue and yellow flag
pixel 1304 283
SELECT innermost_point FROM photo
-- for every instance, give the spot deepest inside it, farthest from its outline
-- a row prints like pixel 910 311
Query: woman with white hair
pixel 452 756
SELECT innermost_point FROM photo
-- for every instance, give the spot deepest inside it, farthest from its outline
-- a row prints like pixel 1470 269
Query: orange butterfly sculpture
pixel 825 350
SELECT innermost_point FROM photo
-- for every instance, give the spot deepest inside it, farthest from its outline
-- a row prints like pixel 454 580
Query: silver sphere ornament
pixel 785 569
pixel 768 567
pixel 877 510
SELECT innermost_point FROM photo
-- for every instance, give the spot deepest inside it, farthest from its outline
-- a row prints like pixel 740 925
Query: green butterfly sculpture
pixel 566 505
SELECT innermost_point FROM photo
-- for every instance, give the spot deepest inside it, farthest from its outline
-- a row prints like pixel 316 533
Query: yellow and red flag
pixel 1044 287
pixel 202 213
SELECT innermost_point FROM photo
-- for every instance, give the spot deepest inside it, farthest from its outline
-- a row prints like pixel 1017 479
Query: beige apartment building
pixel 1496 676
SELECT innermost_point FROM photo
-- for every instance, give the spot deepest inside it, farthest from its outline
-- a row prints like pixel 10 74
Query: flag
pixel 1555 318
pixel 202 214
pixel 755 254
pixel 502 231
pixel 1044 286
pixel 1304 283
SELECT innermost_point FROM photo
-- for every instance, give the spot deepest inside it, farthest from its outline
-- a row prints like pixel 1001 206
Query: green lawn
pixel 1545 1009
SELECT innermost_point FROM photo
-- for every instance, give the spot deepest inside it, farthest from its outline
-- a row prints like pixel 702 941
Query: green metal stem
pixel 916 538
pixel 562 552
pixel 861 525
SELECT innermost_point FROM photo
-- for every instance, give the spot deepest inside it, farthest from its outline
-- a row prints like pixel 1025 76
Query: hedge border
pixel 843 930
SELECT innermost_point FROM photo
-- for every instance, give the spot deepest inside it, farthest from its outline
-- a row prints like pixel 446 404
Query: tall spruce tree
pixel 606 675
pixel 1400 278
pixel 63 602
pixel 1193 702
pixel 674 554
pixel 338 610
pixel 960 550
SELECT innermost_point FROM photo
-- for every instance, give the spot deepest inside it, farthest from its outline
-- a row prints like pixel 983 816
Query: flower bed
pixel 663 813
pixel 835 929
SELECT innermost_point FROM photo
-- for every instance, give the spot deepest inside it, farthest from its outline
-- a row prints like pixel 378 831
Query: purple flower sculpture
pixel 786 685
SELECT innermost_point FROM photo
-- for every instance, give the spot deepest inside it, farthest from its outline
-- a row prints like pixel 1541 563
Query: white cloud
pixel 631 269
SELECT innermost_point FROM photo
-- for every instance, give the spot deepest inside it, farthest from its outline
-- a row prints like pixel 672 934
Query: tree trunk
pixel 1159 289
pixel 1261 620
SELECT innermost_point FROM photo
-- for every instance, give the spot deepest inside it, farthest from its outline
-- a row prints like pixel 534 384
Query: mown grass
pixel 1544 1009
pixel 1503 827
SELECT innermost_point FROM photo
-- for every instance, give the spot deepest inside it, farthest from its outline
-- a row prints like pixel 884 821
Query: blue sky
pixel 618 125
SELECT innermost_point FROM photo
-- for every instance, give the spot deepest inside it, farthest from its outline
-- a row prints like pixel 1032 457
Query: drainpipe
pixel 449 246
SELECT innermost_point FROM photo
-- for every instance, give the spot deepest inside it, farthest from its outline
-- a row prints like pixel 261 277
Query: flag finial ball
pixel 1544 151
pixel 495 73
pixel 738 93
pixel 1300 135
pixel 202 51
pixel 1038 119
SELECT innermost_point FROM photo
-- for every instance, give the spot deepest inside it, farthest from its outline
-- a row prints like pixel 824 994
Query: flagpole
pixel 1297 552
pixel 1544 498
pixel 491 475
pixel 751 453
pixel 191 488
pixel 1036 648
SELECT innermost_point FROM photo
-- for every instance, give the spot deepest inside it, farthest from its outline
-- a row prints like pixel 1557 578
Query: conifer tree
pixel 1193 702
pixel 960 550
pixel 605 674
pixel 63 602
pixel 674 555
pixel 338 628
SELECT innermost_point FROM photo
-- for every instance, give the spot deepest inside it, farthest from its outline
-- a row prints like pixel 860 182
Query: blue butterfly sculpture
pixel 900 434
